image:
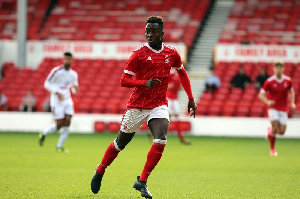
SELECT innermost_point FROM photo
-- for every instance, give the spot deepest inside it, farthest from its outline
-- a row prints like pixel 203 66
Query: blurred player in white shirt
pixel 59 82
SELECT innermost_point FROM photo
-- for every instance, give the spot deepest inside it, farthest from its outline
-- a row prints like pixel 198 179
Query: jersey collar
pixel 156 51
pixel 279 80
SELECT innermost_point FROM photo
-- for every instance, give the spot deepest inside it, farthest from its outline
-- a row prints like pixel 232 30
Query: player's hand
pixel 60 96
pixel 192 107
pixel 270 103
pixel 293 106
pixel 152 82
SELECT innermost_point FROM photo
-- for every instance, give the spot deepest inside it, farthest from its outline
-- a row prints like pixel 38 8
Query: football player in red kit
pixel 150 64
pixel 277 88
pixel 173 103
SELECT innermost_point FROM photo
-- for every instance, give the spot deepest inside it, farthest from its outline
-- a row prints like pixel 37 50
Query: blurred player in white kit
pixel 59 82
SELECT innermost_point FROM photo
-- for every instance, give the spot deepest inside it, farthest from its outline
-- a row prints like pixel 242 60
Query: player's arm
pixel 51 86
pixel 186 84
pixel 293 105
pixel 264 99
pixel 75 87
pixel 131 69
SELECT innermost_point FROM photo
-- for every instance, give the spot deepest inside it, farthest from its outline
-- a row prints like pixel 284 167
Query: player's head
pixel 154 31
pixel 278 68
pixel 67 61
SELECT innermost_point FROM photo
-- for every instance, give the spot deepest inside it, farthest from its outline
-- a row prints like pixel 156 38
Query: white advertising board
pixel 255 53
pixel 38 50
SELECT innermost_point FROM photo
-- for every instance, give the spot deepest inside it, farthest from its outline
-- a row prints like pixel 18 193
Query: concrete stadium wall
pixel 201 126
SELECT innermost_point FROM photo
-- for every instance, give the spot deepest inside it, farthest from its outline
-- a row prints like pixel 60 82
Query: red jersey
pixel 147 63
pixel 278 90
pixel 174 86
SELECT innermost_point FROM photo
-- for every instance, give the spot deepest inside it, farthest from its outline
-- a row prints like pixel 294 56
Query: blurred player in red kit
pixel 277 88
pixel 150 64
pixel 173 103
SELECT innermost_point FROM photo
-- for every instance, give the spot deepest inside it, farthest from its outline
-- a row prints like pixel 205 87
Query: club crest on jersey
pixel 167 59
pixel 149 58
pixel 285 84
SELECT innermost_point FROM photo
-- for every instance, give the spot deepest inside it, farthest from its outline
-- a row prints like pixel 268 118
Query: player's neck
pixel 157 46
pixel 279 76
pixel 67 68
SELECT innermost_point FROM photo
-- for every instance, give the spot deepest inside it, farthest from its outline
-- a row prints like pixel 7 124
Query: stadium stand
pixel 242 103
pixel 263 22
pixel 36 14
pixel 102 20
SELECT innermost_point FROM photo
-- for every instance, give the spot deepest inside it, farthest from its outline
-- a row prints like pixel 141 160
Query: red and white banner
pixel 255 53
pixel 38 50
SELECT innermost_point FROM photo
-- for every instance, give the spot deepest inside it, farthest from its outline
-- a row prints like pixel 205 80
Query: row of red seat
pixel 103 21
pixel 263 22
pixel 36 11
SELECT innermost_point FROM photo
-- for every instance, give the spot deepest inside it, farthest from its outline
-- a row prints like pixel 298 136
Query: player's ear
pixel 162 34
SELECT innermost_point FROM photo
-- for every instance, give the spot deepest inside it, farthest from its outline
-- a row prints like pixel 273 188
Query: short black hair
pixel 68 54
pixel 156 19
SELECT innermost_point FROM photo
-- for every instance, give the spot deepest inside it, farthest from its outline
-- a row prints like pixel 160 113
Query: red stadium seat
pixel 114 127
pixel 99 126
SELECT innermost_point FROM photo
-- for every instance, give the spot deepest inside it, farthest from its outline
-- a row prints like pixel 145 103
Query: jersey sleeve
pixel 50 81
pixel 265 87
pixel 132 64
pixel 177 61
pixel 75 79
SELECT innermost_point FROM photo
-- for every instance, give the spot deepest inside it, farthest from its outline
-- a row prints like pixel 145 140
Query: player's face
pixel 154 35
pixel 278 70
pixel 67 61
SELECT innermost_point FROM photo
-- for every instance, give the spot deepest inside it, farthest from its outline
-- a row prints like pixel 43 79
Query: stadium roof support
pixel 21 32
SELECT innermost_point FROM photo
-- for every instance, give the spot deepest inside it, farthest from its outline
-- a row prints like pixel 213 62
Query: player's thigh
pixel 158 122
pixel 58 111
pixel 282 129
pixel 274 117
pixel 159 128
pixel 275 126
pixel 69 112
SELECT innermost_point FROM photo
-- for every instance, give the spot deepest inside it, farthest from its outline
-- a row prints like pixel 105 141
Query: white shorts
pixel 280 116
pixel 134 118
pixel 60 110
pixel 174 107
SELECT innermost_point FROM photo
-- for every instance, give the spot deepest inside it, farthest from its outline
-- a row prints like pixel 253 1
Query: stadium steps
pixel 202 53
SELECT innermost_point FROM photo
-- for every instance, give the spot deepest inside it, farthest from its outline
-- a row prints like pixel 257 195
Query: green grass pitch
pixel 209 168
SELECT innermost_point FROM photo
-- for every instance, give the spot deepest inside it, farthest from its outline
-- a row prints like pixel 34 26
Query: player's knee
pixel 121 143
pixel 161 136
pixel 281 131
pixel 159 141
pixel 275 129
